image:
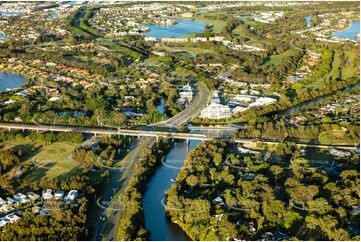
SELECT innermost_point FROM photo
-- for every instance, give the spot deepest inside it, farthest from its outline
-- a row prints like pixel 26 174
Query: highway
pixel 199 102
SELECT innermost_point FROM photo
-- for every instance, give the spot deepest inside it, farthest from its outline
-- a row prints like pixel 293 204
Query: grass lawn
pixel 241 30
pixel 336 136
pixel 277 59
pixel 352 65
pixel 190 50
pixel 51 161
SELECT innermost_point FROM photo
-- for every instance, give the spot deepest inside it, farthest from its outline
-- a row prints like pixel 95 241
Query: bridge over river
pixel 154 134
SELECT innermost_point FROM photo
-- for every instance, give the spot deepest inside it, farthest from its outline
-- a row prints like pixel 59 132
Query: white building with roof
pixel 47 194
pixel 216 111
pixel 186 92
pixel 72 195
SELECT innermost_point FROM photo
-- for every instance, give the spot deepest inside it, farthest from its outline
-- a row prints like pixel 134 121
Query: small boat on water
pixel 173 180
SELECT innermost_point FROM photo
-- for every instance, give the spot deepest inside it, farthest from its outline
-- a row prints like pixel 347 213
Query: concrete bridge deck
pixel 156 134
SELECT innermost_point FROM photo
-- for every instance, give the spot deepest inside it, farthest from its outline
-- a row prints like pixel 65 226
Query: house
pixel 72 195
pixel 35 209
pixel 340 153
pixel 3 222
pixel 153 39
pixel 249 176
pixel 53 99
pixel 239 109
pixel 217 200
pixel 33 196
pixel 13 218
pixel 218 217
pixel 244 151
pixel 59 195
pixel 5 208
pixel 19 196
pixel 2 201
pixel 174 40
pixel 47 194
pixel 12 202
pixel 44 211
pixel 217 38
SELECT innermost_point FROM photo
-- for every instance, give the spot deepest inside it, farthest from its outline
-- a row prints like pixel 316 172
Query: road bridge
pixel 102 130
pixel 156 134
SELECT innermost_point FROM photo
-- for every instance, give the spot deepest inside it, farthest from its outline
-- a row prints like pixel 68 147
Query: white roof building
pixel 239 109
pixel 12 218
pixel 59 195
pixel 216 111
pixel 47 194
pixel 72 195
pixel 262 101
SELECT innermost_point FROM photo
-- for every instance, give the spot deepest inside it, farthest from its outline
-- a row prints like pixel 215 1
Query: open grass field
pixel 352 65
pixel 336 136
pixel 51 161
pixel 277 59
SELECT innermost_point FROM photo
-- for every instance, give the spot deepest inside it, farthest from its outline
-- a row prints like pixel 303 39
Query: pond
pixel 74 114
pixel 160 106
pixel 10 81
pixel 181 29
pixel 53 15
pixel 350 32
pixel 308 21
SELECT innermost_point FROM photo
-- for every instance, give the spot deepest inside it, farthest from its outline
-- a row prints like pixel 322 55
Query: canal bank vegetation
pixel 131 223
pixel 333 120
pixel 280 194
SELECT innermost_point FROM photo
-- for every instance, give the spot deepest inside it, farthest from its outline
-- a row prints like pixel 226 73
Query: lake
pixel 183 28
pixel 349 32
pixel 8 80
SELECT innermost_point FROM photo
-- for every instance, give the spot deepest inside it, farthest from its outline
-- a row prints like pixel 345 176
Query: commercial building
pixel 216 111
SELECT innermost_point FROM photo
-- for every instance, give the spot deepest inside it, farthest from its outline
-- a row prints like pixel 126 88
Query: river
pixel 8 80
pixel 156 221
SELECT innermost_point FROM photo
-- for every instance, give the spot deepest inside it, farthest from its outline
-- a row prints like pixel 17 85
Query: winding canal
pixel 156 221
pixel 289 111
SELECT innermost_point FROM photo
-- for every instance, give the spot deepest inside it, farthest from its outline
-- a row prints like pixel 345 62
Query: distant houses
pixel 9 206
